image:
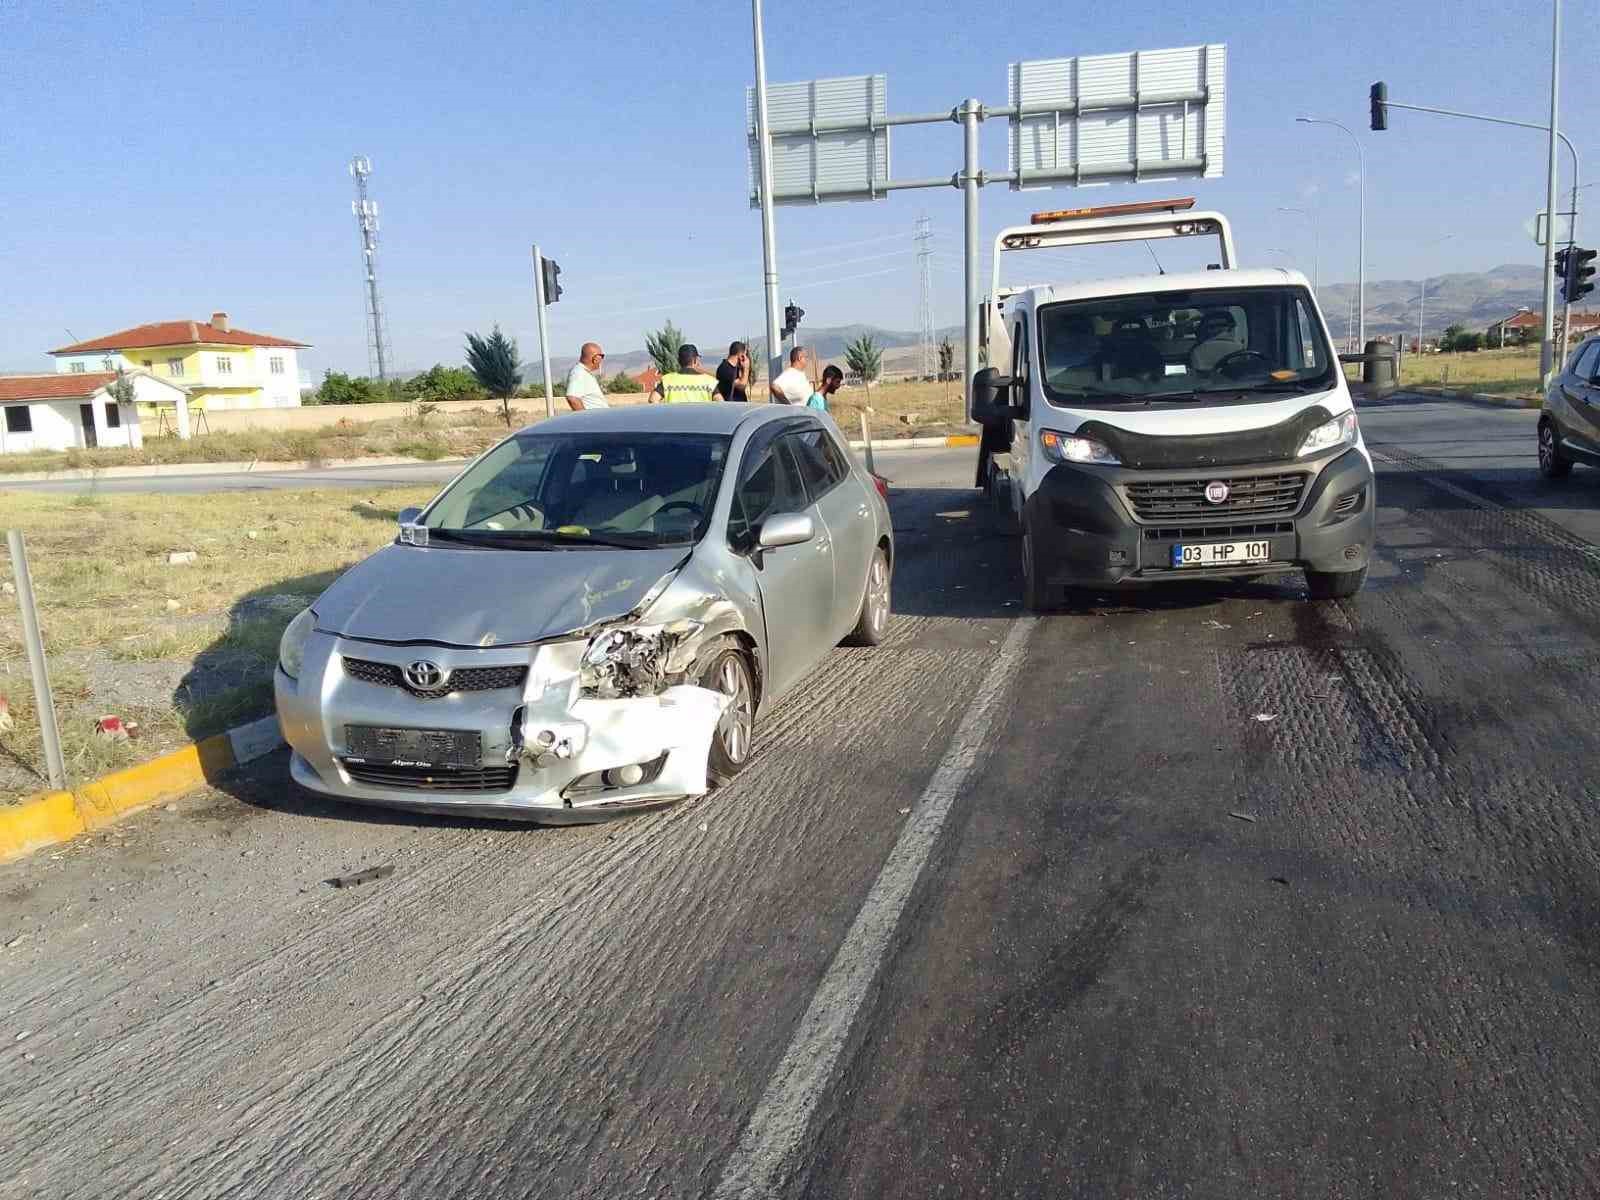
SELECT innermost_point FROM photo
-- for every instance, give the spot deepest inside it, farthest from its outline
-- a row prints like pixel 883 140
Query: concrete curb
pixel 51 817
pixel 1480 397
pixel 256 466
pixel 921 443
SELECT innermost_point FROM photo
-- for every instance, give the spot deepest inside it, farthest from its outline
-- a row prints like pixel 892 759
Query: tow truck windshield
pixel 1212 346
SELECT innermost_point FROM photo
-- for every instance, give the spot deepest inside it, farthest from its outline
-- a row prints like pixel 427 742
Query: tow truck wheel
pixel 726 669
pixel 1335 585
pixel 1035 596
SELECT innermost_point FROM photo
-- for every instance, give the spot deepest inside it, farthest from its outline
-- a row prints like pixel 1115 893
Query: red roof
pixel 177 333
pixel 53 387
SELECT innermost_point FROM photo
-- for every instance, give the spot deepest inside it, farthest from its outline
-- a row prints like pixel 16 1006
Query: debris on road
pixel 1264 718
pixel 1215 624
pixel 1280 879
pixel 178 558
pixel 24 1035
pixel 9 588
pixel 905 812
pixel 1242 816
pixel 115 729
pixel 359 877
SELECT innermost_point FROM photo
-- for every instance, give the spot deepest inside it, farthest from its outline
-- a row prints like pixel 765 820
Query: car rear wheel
pixel 1553 464
pixel 872 626
pixel 727 670
pixel 1335 585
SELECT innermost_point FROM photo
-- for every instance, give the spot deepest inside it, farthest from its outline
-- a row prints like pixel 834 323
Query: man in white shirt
pixel 583 381
pixel 793 386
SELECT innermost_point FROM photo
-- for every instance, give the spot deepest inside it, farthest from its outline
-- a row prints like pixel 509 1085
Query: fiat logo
pixel 426 676
pixel 1216 492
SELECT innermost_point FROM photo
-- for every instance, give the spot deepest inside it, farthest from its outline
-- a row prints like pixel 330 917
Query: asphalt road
pixel 1203 893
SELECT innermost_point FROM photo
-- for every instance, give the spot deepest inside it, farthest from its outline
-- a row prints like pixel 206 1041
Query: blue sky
pixel 166 160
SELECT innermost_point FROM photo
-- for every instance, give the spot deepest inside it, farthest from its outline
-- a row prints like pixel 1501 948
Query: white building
pixel 76 411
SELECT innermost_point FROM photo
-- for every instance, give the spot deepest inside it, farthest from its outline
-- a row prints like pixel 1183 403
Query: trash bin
pixel 1379 369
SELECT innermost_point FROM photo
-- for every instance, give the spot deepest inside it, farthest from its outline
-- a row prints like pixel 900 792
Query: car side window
pixel 770 485
pixel 821 467
pixel 1588 357
pixel 1019 360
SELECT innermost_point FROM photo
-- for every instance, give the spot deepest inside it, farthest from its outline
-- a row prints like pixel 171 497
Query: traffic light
pixel 1576 275
pixel 1380 105
pixel 552 279
pixel 792 313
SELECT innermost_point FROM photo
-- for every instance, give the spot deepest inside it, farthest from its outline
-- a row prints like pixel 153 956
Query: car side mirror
pixel 786 529
pixel 991 397
pixel 408 516
pixel 411 533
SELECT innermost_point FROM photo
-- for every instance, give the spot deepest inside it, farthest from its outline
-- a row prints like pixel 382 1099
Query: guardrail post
pixel 34 643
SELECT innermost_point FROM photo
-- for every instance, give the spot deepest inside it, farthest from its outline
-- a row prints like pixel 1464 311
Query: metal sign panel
pixel 810 162
pixel 1148 115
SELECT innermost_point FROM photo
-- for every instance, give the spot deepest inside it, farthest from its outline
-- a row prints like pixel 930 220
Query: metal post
pixel 1422 304
pixel 769 236
pixel 31 639
pixel 1547 345
pixel 970 114
pixel 866 438
pixel 1361 262
pixel 544 331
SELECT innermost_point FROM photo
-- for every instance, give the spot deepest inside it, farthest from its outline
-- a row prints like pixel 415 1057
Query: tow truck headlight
pixel 1067 447
pixel 1341 431
pixel 292 647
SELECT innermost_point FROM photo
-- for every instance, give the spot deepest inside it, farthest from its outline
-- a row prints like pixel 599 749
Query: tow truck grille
pixel 1170 501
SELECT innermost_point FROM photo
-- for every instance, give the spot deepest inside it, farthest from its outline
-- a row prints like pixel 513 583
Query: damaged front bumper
pixel 528 737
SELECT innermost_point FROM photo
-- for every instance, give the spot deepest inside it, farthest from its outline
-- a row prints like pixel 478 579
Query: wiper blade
pixel 487 539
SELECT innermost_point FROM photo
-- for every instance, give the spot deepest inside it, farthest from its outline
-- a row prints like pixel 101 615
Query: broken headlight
pixel 632 660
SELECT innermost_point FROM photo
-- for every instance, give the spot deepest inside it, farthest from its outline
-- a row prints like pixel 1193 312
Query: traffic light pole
pixel 769 235
pixel 1547 348
pixel 544 331
pixel 1549 237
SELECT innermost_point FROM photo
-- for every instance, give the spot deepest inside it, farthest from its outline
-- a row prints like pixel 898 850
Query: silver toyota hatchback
pixel 591 617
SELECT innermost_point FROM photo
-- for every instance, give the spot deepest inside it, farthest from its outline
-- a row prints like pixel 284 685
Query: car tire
pixel 1335 585
pixel 726 668
pixel 1553 464
pixel 1035 596
pixel 872 624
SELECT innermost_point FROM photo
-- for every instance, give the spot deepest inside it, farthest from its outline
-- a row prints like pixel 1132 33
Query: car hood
pixel 459 597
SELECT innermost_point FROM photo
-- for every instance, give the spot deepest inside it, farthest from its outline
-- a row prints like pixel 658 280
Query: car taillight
pixel 883 486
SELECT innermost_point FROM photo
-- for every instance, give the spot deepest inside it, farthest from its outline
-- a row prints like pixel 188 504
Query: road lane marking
pixel 769 1149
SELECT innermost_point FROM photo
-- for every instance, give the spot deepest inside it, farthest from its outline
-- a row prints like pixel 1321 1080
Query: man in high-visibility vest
pixel 689 384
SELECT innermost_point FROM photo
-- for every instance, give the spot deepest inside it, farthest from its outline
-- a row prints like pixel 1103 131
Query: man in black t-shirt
pixel 733 374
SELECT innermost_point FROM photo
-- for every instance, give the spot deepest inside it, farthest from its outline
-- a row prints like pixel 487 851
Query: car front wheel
pixel 1552 463
pixel 727 670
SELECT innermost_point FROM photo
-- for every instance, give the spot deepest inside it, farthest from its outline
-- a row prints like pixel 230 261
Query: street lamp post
pixel 1361 261
pixel 1316 244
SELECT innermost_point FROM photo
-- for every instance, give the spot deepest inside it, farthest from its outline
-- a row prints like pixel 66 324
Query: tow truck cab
pixel 1164 427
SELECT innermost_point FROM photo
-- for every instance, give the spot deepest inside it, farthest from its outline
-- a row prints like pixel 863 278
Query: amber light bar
pixel 1181 204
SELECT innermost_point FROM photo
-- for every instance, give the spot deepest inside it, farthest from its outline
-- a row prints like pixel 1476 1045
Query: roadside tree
pixel 864 357
pixel 662 346
pixel 494 365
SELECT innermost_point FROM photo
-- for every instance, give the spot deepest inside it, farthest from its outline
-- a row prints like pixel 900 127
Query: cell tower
pixel 924 240
pixel 366 214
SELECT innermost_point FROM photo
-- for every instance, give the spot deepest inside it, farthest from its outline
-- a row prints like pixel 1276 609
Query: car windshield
pixel 542 491
pixel 1173 348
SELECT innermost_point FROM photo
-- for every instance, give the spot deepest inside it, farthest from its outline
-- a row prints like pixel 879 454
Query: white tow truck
pixel 1168 427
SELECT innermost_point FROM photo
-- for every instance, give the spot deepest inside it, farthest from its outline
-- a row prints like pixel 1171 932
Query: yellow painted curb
pixel 961 439
pixel 42 820
pixel 56 816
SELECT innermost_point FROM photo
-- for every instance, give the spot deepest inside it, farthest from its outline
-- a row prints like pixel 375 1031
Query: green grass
pixel 1512 372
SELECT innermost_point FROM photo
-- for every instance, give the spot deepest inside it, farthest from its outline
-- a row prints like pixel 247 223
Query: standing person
pixel 733 374
pixel 583 381
pixel 689 384
pixel 793 386
pixel 832 381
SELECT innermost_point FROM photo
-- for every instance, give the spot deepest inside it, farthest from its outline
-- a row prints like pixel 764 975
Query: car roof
pixel 714 418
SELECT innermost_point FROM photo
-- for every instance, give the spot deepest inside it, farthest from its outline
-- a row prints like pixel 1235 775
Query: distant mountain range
pixel 1475 299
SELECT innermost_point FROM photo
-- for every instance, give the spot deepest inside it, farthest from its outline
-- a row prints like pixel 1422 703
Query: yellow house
pixel 219 366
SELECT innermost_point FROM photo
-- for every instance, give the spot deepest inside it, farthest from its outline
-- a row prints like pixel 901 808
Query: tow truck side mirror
pixel 992 397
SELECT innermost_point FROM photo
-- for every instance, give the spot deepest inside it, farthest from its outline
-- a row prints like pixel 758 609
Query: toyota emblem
pixel 426 676
pixel 1216 492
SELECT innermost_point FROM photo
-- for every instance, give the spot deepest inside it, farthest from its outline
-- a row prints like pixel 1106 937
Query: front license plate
pixel 412 747
pixel 1221 554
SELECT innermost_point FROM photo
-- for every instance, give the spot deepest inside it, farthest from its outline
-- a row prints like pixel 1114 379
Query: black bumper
pixel 1088 529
